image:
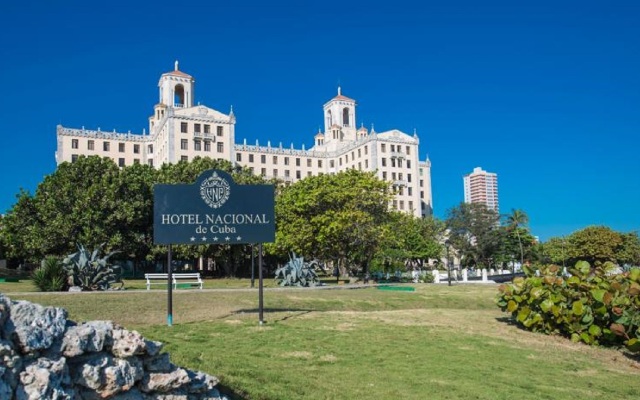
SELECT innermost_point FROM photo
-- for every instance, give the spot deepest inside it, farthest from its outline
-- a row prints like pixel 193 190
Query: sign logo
pixel 215 191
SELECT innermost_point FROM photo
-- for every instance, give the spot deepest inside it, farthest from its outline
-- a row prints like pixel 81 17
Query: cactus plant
pixel 297 273
pixel 90 271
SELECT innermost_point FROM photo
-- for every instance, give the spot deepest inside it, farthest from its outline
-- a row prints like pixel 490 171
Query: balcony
pixel 399 182
pixel 397 154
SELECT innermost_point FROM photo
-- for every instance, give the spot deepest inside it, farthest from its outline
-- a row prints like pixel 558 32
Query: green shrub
pixel 90 271
pixel 427 277
pixel 50 276
pixel 590 306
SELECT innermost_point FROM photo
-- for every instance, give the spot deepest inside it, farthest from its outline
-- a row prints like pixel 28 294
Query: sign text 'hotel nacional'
pixel 214 210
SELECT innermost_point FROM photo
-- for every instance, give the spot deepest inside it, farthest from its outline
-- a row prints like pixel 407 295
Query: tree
pixel 629 252
pixel 594 244
pixel 473 231
pixel 515 220
pixel 333 217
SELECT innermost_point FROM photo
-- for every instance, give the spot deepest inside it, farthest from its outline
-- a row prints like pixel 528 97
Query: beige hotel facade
pixel 180 130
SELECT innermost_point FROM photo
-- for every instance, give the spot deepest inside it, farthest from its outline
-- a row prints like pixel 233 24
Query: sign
pixel 214 210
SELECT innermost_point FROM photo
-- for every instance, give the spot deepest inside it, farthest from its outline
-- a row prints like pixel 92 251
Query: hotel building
pixel 180 130
pixel 481 187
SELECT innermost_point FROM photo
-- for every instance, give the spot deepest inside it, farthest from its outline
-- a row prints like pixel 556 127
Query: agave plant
pixel 90 271
pixel 296 273
pixel 50 276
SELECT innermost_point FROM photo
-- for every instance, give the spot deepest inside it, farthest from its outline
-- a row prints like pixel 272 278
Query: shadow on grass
pixel 230 393
pixel 295 312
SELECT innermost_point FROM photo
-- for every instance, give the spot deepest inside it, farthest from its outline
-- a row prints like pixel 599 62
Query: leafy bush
pixel 427 277
pixel 590 305
pixel 50 276
pixel 90 271
pixel 296 273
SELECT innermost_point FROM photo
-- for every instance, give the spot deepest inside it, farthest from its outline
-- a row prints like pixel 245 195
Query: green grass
pixel 438 342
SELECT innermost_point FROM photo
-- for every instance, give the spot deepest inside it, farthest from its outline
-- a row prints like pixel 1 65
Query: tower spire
pixel 176 65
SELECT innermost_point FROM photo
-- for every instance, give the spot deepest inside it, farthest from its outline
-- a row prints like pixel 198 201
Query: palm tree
pixel 515 220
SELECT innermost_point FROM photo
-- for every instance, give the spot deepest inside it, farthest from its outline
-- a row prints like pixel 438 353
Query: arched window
pixel 329 123
pixel 345 116
pixel 178 96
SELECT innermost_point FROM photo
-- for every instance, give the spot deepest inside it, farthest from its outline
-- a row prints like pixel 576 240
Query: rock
pixel 127 343
pixel 34 327
pixel 45 379
pixel 88 337
pixel 164 382
pixel 45 356
pixel 106 375
pixel 75 289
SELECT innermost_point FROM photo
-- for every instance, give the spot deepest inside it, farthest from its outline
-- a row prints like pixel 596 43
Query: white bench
pixel 191 278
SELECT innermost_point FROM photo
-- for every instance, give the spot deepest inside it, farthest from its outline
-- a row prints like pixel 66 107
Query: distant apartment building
pixel 180 130
pixel 481 187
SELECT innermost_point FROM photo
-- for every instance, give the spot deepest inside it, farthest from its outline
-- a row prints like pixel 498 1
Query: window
pixel 297 174
pixel 421 194
pixel 275 159
pixel 411 205
pixel 105 146
pixel 286 161
pixel 400 176
pixel 308 173
pixel 393 176
pixel 393 162
pixel 150 149
pixel 384 175
pixel 297 161
pixel 421 183
pixel 150 162
pixel 409 191
pixel 251 170
pixel 402 204
pixel 286 173
pixel 196 128
pixel 121 162
pixel 197 145
pixel 332 164
pixel 366 163
pixel 393 148
pixel 408 163
pixel 184 158
pixel 90 145
pixel 366 150
pixel 359 153
pixel 136 161
pixel 207 145
pixel 136 148
pixel 275 172
pixel 263 158
pixel 183 127
pixel 220 147
pixel 121 147
pixel 250 157
pixel 207 128
pixel 184 145
pixel 353 155
pixel 238 157
pixel 218 130
pixel 383 148
pixel 395 204
pixel 74 158
pixel 384 162
pixel 308 162
pixel 408 150
pixel 340 161
pixel 408 177
pixel 263 171
pixel 74 143
pixel 319 163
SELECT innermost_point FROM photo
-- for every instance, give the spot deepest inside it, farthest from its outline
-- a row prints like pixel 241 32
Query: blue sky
pixel 545 94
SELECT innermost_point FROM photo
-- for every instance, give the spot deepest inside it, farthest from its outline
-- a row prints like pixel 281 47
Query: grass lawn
pixel 438 342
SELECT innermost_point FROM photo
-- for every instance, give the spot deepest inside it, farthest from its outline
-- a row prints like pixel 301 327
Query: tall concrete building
pixel 481 187
pixel 181 130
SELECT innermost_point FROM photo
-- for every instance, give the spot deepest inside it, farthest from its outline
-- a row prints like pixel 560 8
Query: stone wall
pixel 43 355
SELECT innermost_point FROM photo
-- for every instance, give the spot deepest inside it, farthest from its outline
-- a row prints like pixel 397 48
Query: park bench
pixel 191 279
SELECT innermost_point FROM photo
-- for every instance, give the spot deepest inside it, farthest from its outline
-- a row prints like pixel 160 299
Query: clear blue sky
pixel 545 94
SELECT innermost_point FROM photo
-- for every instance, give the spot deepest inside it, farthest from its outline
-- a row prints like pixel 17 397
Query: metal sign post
pixel 169 289
pixel 260 291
